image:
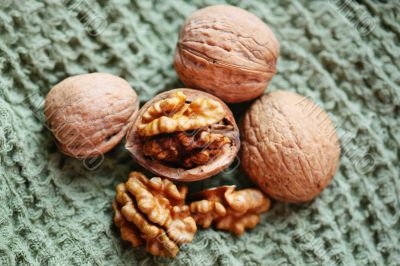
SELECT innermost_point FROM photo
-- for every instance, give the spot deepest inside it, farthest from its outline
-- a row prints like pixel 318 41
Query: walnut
pixel 180 116
pixel 188 149
pixel 290 146
pixel 228 209
pixel 89 114
pixel 153 211
pixel 184 135
pixel 226 51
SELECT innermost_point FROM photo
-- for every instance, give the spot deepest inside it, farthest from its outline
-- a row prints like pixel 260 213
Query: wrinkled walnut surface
pixel 187 152
pixel 186 149
pixel 89 114
pixel 290 146
pixel 153 211
pixel 229 210
pixel 226 51
pixel 181 132
pixel 173 114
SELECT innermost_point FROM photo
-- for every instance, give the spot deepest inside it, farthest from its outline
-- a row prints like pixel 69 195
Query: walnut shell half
pixel 226 51
pixel 89 114
pixel 290 146
pixel 184 135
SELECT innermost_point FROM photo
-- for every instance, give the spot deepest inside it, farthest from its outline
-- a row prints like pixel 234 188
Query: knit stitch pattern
pixel 56 210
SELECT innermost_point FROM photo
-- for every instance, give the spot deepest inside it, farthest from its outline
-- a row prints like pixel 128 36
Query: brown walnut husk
pixel 184 135
pixel 89 114
pixel 290 146
pixel 226 51
pixel 153 211
pixel 229 210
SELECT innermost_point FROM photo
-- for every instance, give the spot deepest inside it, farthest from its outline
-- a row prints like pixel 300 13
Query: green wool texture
pixel 56 210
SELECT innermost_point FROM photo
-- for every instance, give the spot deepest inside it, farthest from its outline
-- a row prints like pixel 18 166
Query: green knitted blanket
pixel 55 210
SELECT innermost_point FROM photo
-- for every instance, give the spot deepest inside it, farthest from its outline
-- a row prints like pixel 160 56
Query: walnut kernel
pixel 229 210
pixel 153 211
pixel 180 116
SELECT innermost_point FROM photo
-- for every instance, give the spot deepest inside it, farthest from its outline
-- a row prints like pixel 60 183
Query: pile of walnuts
pixel 289 146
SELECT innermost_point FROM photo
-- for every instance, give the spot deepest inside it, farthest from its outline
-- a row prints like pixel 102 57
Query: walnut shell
pixel 135 142
pixel 290 146
pixel 226 51
pixel 89 114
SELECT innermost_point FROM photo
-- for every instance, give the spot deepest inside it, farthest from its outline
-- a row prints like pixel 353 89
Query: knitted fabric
pixel 56 210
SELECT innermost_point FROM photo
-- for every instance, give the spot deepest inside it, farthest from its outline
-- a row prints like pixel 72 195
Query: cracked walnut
pixel 184 135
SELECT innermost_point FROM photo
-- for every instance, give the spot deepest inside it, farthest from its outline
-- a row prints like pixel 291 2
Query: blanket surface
pixel 344 55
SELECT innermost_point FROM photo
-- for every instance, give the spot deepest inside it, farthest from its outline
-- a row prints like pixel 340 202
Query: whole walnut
pixel 226 51
pixel 290 146
pixel 184 135
pixel 89 114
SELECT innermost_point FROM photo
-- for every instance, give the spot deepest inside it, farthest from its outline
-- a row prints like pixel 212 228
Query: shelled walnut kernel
pixel 153 211
pixel 229 210
pixel 195 148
